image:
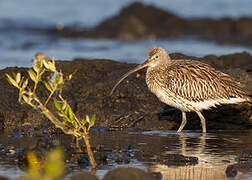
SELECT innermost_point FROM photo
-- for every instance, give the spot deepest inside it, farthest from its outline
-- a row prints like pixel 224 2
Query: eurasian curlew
pixel 188 85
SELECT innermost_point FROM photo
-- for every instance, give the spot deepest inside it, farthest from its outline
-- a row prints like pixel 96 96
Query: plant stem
pixel 89 151
pixel 66 130
pixel 34 88
pixel 53 119
pixel 49 97
pixel 85 137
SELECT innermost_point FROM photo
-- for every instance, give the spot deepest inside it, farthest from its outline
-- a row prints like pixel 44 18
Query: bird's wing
pixel 196 81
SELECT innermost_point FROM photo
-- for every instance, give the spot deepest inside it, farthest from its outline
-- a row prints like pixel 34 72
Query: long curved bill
pixel 141 66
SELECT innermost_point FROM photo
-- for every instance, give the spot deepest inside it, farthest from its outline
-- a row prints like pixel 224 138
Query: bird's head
pixel 156 56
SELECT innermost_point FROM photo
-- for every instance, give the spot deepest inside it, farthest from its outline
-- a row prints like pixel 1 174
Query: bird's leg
pixel 183 123
pixel 202 120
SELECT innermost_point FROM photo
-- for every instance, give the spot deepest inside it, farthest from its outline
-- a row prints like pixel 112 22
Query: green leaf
pixel 36 67
pixel 87 119
pixel 32 75
pixel 21 81
pixel 47 86
pixel 66 110
pixel 91 123
pixel 83 122
pixel 14 75
pixel 41 68
pixel 52 67
pixel 39 77
pixel 18 77
pixel 39 65
pixel 64 105
pixel 56 78
pixel 57 104
pixel 65 120
pixel 29 92
pixel 61 80
pixel 49 65
pixel 25 98
pixel 52 85
pixel 71 114
pixel 75 124
pixel 45 63
pixel 12 81
pixel 61 114
pixel 54 165
pixel 93 118
pixel 53 63
pixel 25 84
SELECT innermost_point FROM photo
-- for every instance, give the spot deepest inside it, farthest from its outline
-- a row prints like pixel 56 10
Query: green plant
pixel 52 169
pixel 66 119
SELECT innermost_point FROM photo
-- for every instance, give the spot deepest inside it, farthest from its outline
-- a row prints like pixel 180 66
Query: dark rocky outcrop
pixel 131 105
pixel 139 21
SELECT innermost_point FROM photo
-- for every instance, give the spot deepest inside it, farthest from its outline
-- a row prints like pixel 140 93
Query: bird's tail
pixel 237 92
pixel 244 96
pixel 249 99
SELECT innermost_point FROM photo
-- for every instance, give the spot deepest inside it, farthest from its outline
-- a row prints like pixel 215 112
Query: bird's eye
pixel 156 57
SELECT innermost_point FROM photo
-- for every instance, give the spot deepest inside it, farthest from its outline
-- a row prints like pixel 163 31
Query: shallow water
pixel 20 50
pixel 215 151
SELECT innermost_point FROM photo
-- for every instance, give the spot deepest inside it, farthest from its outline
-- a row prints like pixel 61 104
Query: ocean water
pixel 91 12
pixel 17 45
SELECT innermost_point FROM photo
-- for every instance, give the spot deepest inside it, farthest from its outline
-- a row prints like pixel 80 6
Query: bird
pixel 187 84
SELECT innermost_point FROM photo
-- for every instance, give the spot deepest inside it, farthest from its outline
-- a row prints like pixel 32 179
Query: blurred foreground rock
pixel 127 173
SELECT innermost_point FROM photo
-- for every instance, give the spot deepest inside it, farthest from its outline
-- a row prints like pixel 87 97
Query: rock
pixel 126 174
pixel 83 176
pixel 147 21
pixel 244 27
pixel 244 164
pixel 231 171
pixel 132 105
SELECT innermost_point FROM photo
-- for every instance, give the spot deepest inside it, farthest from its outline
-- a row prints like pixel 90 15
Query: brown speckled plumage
pixel 188 85
pixel 194 81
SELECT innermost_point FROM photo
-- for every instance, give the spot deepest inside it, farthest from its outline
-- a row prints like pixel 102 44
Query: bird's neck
pixel 160 65
pixel 157 68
